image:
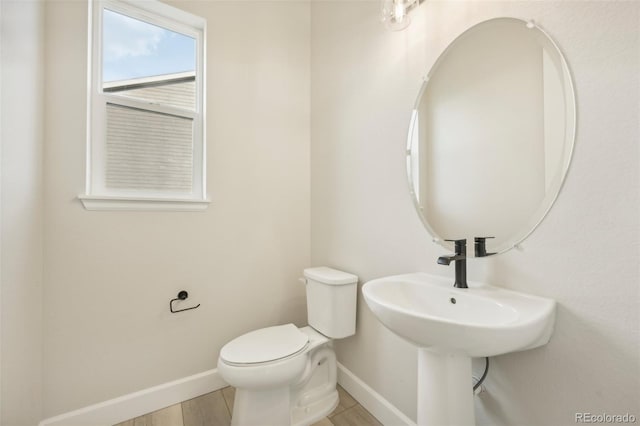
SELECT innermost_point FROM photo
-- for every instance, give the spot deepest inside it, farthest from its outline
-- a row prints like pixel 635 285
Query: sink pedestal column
pixel 445 389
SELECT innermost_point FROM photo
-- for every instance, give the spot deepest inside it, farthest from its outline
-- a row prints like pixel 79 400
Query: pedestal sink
pixel 452 325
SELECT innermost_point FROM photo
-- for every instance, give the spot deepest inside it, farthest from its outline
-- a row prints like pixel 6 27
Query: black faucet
pixel 461 262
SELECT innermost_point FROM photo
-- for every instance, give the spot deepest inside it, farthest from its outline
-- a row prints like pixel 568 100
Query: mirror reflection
pixel 491 135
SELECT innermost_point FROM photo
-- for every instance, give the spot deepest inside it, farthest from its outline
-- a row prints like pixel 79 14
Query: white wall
pixel 21 241
pixel 110 275
pixel 584 255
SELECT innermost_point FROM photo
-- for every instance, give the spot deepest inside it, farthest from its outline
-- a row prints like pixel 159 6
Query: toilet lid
pixel 265 344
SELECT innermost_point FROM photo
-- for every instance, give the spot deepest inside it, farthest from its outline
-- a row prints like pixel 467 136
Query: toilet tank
pixel 331 301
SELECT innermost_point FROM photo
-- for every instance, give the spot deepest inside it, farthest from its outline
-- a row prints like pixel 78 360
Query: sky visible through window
pixel 133 49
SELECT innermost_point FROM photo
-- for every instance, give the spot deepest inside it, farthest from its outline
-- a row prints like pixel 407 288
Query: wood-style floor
pixel 214 409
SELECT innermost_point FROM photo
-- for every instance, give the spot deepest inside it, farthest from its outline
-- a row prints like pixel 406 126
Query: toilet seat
pixel 264 345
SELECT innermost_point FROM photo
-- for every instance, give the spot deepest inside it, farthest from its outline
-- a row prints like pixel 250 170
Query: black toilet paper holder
pixel 182 295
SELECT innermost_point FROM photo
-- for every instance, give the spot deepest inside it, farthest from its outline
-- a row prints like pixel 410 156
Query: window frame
pixel 97 196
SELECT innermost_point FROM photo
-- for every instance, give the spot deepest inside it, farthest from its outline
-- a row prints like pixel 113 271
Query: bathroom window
pixel 146 147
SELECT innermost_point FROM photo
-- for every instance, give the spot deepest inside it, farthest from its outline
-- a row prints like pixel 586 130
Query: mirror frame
pixel 570 138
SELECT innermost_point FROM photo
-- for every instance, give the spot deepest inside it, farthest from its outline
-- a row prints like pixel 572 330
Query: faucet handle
pixel 480 244
pixel 460 245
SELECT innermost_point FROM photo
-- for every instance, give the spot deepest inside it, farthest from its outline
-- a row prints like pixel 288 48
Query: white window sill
pixel 112 203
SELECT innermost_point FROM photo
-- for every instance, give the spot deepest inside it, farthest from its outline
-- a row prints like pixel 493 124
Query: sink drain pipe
pixel 484 376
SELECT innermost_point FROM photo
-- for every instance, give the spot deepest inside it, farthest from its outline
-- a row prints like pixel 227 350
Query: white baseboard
pixel 135 404
pixel 381 409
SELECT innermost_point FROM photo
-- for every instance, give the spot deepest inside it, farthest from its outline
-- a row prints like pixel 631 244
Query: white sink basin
pixel 479 321
pixel 452 325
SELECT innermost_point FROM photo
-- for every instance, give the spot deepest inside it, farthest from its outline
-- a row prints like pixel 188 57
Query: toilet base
pixel 269 407
pixel 316 411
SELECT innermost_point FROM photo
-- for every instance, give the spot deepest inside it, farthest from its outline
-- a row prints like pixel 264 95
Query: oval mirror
pixel 491 135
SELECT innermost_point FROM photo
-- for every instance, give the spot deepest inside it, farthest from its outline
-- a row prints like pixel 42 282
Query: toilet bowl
pixel 285 375
pixel 297 388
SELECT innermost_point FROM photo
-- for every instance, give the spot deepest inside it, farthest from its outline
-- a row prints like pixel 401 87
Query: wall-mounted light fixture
pixel 395 13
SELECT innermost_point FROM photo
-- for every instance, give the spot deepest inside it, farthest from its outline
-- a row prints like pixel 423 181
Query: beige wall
pixel 21 211
pixel 110 275
pixel 584 255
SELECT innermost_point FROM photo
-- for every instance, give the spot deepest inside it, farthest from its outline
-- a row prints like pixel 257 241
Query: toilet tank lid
pixel 327 275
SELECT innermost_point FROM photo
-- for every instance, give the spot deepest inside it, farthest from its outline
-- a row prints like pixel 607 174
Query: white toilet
pixel 285 375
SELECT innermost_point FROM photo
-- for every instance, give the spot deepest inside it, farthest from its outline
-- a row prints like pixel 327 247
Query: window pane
pixel 148 150
pixel 147 62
